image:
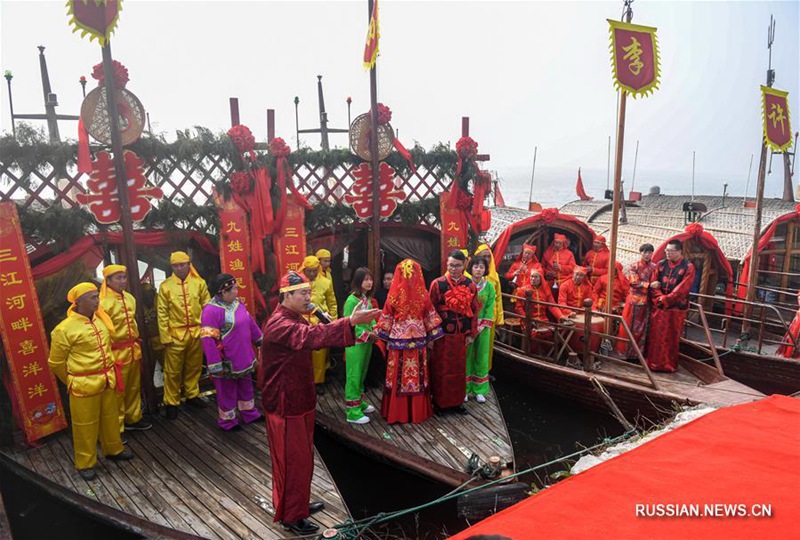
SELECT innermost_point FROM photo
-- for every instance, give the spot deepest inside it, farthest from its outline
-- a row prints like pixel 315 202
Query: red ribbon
pixel 261 220
pixel 84 153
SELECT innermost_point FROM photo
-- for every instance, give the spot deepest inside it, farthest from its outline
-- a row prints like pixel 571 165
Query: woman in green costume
pixel 357 357
pixel 478 351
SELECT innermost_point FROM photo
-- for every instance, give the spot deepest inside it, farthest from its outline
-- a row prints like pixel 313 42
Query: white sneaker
pixel 362 420
pixel 466 398
pixel 368 410
pixel 480 399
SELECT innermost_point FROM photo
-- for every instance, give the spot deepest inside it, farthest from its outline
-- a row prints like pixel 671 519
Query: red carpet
pixel 739 460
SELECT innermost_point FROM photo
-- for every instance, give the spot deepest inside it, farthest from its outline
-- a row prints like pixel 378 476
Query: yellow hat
pixel 79 290
pixel 110 270
pixel 323 254
pixel 179 257
pixel 310 262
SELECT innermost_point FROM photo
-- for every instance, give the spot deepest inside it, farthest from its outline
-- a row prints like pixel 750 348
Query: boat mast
pixel 533 174
pixel 623 95
pixel 375 263
pixel 762 167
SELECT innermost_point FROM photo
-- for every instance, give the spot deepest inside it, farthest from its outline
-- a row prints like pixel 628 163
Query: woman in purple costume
pixel 229 333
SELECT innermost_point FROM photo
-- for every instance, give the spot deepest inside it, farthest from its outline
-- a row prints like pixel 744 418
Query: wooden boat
pixel 439 448
pixel 189 479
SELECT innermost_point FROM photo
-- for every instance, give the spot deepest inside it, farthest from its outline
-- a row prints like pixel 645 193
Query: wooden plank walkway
pixel 190 476
pixel 438 448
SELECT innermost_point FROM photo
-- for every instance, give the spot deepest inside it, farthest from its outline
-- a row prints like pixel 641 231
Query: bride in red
pixel 408 325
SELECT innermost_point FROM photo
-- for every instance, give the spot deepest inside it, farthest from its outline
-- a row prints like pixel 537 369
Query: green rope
pixel 351 530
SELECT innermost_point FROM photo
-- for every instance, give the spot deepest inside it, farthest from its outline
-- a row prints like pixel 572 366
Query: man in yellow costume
pixel 80 356
pixel 324 257
pixel 126 348
pixel 181 298
pixel 321 295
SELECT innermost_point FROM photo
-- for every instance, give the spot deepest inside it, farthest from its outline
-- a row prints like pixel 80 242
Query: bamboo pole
pixel 375 263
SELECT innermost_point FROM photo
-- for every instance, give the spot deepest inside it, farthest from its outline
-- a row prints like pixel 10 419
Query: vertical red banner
pixel 234 250
pixel 34 387
pixel 454 228
pixel 290 242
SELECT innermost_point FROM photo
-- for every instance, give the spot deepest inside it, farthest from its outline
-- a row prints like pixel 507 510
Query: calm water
pixel 542 428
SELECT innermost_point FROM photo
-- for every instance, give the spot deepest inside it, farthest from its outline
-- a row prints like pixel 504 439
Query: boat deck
pixel 438 448
pixel 188 475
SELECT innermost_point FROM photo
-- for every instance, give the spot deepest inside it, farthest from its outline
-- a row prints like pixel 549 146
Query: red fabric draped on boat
pixel 745 454
pixel 547 216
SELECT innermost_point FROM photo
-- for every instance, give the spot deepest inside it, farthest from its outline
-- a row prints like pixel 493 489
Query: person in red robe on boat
pixel 619 291
pixel 541 331
pixel 558 261
pixel 637 305
pixel 787 348
pixel 575 291
pixel 286 380
pixel 409 325
pixel 517 275
pixel 597 259
pixel 670 295
pixel 455 299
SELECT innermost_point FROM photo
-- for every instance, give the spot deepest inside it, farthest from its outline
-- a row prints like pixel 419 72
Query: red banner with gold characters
pixel 290 243
pixel 454 228
pixel 35 392
pixel 777 129
pixel 234 250
pixel 634 57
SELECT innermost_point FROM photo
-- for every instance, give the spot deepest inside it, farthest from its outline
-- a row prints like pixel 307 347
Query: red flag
pixel 373 34
pixel 498 197
pixel 579 189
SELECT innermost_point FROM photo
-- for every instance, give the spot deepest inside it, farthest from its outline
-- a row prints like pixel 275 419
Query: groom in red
pixel 286 380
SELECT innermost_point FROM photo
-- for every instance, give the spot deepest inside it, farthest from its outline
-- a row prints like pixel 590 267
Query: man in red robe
pixel 541 334
pixel 558 261
pixel 574 291
pixel 637 305
pixel 670 294
pixel 455 299
pixel 517 275
pixel 619 291
pixel 286 380
pixel 597 259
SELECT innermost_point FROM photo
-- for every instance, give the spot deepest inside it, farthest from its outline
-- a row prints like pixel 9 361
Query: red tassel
pixel 405 153
pixel 84 153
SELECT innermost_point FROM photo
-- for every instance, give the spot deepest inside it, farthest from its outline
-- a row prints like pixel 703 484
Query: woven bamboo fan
pixel 359 138
pixel 94 113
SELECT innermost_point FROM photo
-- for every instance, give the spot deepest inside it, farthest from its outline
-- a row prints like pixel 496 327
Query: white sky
pixel 526 73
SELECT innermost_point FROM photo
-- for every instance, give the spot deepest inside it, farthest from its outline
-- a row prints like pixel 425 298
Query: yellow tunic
pixel 121 308
pixel 322 295
pixel 180 304
pixel 80 355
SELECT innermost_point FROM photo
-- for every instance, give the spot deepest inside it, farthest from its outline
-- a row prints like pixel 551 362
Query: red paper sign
pixel 360 197
pixel 35 392
pixel 454 228
pixel 102 198
pixel 98 18
pixel 634 57
pixel 777 129
pixel 234 250
pixel 290 243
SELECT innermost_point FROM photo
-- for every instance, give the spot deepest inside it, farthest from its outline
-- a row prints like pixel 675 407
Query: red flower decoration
pixel 242 138
pixel 120 75
pixel 384 114
pixel 240 183
pixel 463 201
pixel 467 147
pixel 549 215
pixel 279 148
pixel 459 299
pixel 695 229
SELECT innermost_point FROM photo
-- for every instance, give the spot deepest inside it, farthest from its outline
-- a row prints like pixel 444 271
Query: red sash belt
pixel 117 373
pixel 119 345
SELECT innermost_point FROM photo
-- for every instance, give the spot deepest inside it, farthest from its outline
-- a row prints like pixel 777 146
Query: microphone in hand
pixel 317 312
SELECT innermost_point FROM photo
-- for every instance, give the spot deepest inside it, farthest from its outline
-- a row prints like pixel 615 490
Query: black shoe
pixel 88 474
pixel 196 402
pixel 301 527
pixel 461 409
pixel 123 439
pixel 172 412
pixel 320 389
pixel 315 507
pixel 141 425
pixel 125 455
